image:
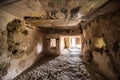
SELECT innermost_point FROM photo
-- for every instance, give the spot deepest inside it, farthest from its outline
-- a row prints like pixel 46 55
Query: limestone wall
pixel 101 49
pixel 20 46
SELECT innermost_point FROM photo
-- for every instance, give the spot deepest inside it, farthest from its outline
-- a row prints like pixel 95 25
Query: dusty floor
pixel 63 67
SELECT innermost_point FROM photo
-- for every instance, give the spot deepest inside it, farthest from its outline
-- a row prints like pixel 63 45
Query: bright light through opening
pixel 39 48
pixel 70 44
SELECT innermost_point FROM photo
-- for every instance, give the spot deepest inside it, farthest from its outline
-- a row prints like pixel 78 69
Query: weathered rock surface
pixel 101 53
pixel 58 12
pixel 18 43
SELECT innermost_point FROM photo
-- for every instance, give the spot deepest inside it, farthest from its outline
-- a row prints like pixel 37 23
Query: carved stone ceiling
pixel 59 13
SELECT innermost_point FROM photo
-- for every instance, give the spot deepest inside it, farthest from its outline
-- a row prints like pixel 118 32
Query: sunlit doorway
pixel 70 44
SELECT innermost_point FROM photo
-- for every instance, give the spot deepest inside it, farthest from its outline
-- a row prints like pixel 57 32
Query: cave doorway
pixel 70 44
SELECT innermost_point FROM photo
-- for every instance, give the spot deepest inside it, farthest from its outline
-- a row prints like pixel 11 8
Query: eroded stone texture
pixel 3 68
pixel 2 41
pixel 19 38
pixel 19 43
pixel 13 45
pixel 4 61
pixel 52 9
pixel 104 35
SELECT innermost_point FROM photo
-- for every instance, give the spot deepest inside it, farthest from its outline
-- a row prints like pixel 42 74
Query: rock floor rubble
pixel 63 67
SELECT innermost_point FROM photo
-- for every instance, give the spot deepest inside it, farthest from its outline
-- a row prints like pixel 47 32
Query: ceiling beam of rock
pixel 58 23
pixel 109 7
pixel 67 11
pixel 60 9
pixel 21 8
pixel 89 7
pixel 53 9
pixel 58 13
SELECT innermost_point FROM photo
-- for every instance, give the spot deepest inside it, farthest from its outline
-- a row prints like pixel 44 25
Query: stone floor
pixel 63 67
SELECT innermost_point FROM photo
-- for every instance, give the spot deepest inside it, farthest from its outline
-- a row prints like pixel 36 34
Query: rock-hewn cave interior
pixel 59 39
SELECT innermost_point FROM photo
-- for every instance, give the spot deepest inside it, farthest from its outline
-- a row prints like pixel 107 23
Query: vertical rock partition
pixel 101 47
pixel 20 46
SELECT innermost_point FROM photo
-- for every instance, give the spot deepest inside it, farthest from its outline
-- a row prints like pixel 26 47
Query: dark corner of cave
pixel 59 39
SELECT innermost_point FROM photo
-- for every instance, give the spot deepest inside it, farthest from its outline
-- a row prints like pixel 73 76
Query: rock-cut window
pixel 52 43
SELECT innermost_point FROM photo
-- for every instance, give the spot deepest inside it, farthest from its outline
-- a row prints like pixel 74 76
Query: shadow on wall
pixel 39 62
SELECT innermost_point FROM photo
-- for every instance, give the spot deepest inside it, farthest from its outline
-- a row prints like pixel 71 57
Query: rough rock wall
pixel 101 47
pixel 20 46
